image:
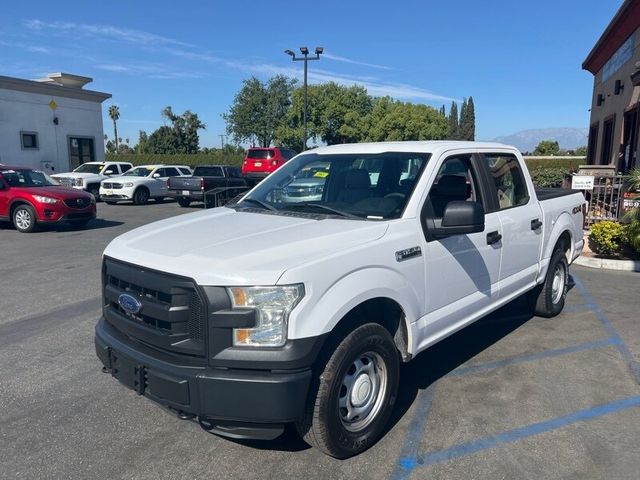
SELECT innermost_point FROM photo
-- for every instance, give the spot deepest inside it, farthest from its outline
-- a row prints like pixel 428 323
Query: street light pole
pixel 306 58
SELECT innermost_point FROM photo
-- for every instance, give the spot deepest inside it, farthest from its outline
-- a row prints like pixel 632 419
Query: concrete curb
pixel 609 264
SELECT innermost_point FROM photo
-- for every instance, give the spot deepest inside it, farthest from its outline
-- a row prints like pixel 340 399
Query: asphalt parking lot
pixel 509 397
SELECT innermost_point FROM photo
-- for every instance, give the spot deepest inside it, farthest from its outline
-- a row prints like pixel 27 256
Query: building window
pixel 593 143
pixel 29 140
pixel 607 140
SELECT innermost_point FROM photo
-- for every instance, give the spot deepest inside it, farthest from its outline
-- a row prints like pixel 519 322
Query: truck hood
pixel 225 247
pixel 86 176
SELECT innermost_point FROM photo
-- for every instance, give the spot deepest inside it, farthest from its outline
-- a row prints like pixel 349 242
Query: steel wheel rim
pixel 23 219
pixel 362 391
pixel 558 284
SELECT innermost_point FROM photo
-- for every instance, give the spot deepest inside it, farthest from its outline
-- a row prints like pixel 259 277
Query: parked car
pixel 30 197
pixel 260 162
pixel 271 311
pixel 227 182
pixel 308 185
pixel 88 176
pixel 141 183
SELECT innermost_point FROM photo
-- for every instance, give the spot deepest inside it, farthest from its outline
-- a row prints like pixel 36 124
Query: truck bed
pixel 549 193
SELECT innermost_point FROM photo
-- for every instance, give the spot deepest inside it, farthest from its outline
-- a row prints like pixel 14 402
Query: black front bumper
pixel 238 402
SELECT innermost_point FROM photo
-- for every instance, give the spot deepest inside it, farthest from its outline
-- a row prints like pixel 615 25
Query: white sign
pixel 582 182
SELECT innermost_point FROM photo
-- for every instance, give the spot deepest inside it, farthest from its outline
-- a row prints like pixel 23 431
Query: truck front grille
pixel 172 314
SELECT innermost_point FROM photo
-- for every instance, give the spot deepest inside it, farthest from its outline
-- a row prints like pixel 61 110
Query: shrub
pixel 633 228
pixel 605 237
pixel 216 158
pixel 548 177
pixel 567 164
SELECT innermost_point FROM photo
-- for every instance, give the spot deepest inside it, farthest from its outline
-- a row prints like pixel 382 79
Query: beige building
pixel 615 107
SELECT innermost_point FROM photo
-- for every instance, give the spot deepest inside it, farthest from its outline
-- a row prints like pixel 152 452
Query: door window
pixel 506 175
pixel 171 172
pixel 456 180
pixel 81 150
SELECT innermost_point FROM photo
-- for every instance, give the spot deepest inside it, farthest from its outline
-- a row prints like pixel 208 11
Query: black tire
pixel 79 223
pixel 110 203
pixel 184 202
pixel 95 191
pixel 141 196
pixel 24 219
pixel 365 363
pixel 548 299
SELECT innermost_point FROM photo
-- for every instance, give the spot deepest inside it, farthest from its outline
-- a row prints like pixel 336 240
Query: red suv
pixel 29 197
pixel 260 162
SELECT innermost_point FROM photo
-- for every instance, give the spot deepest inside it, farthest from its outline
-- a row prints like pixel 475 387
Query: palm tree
pixel 114 114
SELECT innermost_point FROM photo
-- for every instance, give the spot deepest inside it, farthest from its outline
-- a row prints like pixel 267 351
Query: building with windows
pixel 614 62
pixel 53 124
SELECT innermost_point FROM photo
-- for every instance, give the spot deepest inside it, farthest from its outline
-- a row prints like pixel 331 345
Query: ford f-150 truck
pixel 272 311
pixel 225 180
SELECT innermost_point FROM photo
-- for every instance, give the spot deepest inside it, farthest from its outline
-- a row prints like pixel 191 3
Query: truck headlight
pixel 78 182
pixel 128 184
pixel 272 305
pixel 43 199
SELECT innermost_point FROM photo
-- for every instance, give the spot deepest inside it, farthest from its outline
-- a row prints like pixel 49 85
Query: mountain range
pixel 527 140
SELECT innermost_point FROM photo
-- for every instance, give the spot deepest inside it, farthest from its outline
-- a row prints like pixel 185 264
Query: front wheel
pixel 141 196
pixel 352 398
pixel 548 299
pixel 24 219
pixel 95 191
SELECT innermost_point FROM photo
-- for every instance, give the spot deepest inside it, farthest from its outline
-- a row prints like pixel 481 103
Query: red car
pixel 29 197
pixel 260 162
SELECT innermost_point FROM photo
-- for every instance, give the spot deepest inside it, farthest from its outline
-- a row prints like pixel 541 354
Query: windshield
pixel 138 172
pixel 28 178
pixel 89 168
pixel 367 186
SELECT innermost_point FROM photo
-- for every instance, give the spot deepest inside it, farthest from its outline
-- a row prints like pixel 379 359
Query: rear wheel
pixel 548 299
pixel 184 202
pixel 352 398
pixel 141 196
pixel 24 219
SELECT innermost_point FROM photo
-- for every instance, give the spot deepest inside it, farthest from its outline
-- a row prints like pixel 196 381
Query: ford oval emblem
pixel 129 304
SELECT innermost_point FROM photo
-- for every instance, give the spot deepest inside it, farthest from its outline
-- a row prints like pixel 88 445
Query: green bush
pixel 606 236
pixel 548 177
pixel 633 229
pixel 215 158
pixel 567 164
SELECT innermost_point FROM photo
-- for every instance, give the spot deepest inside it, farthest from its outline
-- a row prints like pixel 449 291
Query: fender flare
pixel 323 315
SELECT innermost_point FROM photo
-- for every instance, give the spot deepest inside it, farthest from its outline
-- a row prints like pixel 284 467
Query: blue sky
pixel 521 61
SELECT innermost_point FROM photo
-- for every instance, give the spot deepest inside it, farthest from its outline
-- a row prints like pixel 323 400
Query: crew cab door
pixel 461 271
pixel 521 218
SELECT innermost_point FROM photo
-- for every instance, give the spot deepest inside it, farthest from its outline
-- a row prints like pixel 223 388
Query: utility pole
pixel 222 137
pixel 305 51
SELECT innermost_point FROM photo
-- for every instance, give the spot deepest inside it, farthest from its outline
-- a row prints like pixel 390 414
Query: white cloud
pixel 104 31
pixel 354 62
pixel 150 70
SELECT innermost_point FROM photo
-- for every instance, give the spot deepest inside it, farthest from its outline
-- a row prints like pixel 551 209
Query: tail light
pixel 274 163
pixel 202 184
pixel 169 182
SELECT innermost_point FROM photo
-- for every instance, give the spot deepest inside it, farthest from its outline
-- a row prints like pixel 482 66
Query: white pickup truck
pixel 272 311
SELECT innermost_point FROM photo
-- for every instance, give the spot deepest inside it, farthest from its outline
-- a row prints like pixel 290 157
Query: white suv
pixel 141 183
pixel 89 175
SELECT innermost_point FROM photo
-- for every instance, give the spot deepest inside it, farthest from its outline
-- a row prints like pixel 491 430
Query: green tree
pixel 392 120
pixel 143 139
pixel 259 109
pixel 454 126
pixel 581 151
pixel 185 130
pixel 467 120
pixel 442 111
pixel 114 115
pixel 546 148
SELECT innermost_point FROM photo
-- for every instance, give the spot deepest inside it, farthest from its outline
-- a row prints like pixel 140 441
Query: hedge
pixel 568 164
pixel 217 158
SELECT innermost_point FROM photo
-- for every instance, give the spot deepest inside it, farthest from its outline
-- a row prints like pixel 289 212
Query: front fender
pixel 323 310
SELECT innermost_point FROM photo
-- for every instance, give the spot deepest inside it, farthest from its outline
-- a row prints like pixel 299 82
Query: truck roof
pixel 427 146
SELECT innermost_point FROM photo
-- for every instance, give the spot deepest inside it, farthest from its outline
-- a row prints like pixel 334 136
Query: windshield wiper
pixel 259 202
pixel 324 207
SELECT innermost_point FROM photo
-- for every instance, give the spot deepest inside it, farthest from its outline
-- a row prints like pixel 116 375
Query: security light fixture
pixel 600 99
pixel 305 59
pixel 619 86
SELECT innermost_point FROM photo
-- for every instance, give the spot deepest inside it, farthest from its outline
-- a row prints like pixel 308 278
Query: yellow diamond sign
pixel 53 105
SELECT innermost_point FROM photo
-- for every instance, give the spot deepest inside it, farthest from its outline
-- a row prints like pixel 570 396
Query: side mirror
pixel 459 218
pixel 156 175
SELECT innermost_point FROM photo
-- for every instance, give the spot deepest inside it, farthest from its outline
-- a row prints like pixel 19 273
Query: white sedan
pixel 141 183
